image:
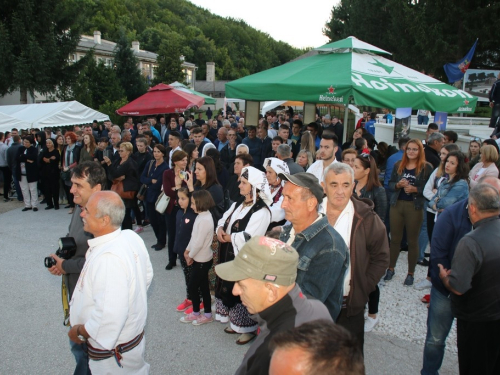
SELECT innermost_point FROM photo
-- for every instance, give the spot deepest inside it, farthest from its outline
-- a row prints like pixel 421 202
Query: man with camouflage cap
pixel 265 270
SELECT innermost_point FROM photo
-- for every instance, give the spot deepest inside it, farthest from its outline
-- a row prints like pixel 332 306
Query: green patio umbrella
pixel 352 68
pixel 180 86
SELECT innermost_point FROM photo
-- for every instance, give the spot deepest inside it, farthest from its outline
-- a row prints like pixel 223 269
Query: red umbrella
pixel 161 99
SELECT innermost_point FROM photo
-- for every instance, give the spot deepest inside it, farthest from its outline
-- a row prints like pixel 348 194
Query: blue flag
pixel 441 119
pixel 456 71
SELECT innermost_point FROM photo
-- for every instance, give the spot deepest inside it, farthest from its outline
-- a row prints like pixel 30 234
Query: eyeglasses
pixel 412 149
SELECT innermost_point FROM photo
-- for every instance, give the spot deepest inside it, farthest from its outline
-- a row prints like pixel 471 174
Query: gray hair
pixel 284 151
pixel 435 137
pixel 226 122
pixel 125 132
pixel 485 197
pixel 114 208
pixel 241 145
pixel 189 124
pixel 339 168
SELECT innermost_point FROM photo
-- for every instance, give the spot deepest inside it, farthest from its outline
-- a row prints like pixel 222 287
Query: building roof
pixel 107 48
pixel 208 86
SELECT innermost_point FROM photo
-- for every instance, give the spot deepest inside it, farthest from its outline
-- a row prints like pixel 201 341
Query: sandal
pixel 426 298
pixel 230 330
pixel 245 338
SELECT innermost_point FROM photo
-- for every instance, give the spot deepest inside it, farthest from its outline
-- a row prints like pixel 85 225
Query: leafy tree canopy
pixel 236 48
pixel 36 38
pixel 421 34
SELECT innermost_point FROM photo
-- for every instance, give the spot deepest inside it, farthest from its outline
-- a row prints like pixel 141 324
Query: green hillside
pixel 236 48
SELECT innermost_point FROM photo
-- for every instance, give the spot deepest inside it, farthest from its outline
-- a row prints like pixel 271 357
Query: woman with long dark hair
pixel 192 152
pixel 455 187
pixel 88 148
pixel 407 182
pixel 152 176
pixel 222 174
pixel 173 180
pixel 206 179
pixel 368 186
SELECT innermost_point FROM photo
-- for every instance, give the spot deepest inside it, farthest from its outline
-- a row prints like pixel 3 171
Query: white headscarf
pixel 207 147
pixel 258 180
pixel 278 166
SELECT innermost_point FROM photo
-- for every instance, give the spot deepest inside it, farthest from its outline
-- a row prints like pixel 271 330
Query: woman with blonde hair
pixel 486 166
pixel 304 159
pixel 307 143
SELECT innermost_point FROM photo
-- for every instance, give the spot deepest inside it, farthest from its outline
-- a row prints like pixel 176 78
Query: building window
pixel 189 77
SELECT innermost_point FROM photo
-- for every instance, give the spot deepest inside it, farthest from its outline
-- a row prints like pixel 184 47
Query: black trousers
pixel 7 180
pixel 170 221
pixel 354 324
pixel 478 347
pixel 495 114
pixel 373 300
pixel 199 281
pixel 68 195
pixel 157 221
pixel 51 192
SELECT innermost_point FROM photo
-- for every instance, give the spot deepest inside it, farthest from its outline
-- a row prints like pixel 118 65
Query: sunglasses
pixel 472 139
pixel 365 155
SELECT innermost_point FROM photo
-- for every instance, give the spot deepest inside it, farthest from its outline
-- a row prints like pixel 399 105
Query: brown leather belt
pixel 99 354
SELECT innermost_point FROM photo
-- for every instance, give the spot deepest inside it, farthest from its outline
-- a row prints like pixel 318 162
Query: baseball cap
pixel 262 258
pixel 305 180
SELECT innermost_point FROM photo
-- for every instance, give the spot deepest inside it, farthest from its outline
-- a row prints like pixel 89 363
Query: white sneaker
pixel 370 323
pixel 366 313
pixel 424 284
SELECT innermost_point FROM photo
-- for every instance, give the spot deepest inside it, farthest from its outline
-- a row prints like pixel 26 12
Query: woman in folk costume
pixel 248 217
pixel 274 167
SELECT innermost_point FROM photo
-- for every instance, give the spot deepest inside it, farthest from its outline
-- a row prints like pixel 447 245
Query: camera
pixel 67 249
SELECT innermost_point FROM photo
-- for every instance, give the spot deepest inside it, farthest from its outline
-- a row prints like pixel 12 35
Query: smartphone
pixel 183 175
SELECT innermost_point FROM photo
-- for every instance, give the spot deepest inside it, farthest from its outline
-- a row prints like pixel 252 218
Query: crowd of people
pixel 339 215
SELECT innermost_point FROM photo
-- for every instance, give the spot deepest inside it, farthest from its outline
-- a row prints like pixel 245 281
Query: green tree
pixel 127 70
pixel 109 108
pixel 36 40
pixel 169 63
pixel 96 83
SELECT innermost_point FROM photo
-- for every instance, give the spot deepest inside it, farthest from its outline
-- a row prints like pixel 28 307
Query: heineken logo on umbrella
pixel 329 96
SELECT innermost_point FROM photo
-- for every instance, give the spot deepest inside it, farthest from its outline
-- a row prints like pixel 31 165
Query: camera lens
pixel 49 262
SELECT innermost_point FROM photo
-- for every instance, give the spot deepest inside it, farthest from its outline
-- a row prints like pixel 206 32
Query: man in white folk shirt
pixel 327 150
pixel 109 305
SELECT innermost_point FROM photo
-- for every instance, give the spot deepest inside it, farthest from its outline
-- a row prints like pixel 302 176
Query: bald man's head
pixel 490 180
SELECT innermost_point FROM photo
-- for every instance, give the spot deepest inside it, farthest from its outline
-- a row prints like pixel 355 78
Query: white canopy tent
pixel 47 115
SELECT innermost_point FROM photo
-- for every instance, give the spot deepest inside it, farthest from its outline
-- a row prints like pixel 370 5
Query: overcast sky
pixel 300 24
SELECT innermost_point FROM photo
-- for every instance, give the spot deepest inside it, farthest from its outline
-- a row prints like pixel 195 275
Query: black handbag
pixel 141 194
pixel 66 175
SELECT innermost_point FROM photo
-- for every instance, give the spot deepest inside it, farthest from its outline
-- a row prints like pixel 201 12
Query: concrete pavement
pixel 34 340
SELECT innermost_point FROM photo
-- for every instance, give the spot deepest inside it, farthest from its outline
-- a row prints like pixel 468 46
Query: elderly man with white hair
pixel 108 309
pixel 364 234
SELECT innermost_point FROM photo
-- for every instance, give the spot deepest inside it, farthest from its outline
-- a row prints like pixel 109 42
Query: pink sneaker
pixel 185 305
pixel 189 318
pixel 190 310
pixel 202 319
pixel 139 230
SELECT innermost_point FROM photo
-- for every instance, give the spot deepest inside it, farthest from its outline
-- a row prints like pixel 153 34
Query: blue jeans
pixel 81 358
pixel 423 238
pixel 422 120
pixel 439 321
pixel 19 193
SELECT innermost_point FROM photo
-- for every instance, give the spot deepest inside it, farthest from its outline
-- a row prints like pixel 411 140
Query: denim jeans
pixel 439 321
pixel 423 238
pixel 81 358
pixel 422 120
